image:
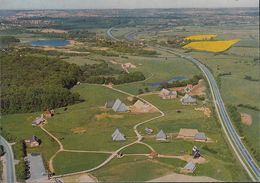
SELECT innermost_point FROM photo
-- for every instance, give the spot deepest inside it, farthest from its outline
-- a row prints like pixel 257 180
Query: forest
pixel 33 83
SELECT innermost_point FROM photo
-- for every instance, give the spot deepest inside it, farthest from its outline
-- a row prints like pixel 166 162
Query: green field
pixel 137 168
pixel 69 162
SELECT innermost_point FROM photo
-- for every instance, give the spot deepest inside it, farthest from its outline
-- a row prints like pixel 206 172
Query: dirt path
pixel 174 177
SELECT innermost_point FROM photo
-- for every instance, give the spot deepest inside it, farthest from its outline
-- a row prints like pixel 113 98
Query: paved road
pixel 110 34
pixel 235 141
pixel 9 161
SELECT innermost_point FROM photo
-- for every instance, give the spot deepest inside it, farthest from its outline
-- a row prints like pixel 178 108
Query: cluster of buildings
pixel 185 100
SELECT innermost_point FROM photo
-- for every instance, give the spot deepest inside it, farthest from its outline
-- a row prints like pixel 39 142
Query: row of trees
pixel 194 80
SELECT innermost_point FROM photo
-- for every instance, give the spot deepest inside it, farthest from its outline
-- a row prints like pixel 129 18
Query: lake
pixel 52 42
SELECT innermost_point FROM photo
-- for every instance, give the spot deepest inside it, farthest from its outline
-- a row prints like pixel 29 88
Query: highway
pixel 10 169
pixel 243 155
pixel 236 143
pixel 110 34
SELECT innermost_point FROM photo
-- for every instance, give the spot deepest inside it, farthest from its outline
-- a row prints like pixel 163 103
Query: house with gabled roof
pixel 118 136
pixel 119 106
pixel 33 142
pixel 161 136
pixel 167 94
pixel 188 100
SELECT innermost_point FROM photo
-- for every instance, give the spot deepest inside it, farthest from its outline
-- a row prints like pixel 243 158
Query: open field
pixel 98 132
pixel 69 162
pixel 211 46
pixel 136 168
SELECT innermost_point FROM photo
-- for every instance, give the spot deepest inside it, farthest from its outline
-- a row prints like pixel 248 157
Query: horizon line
pixel 231 7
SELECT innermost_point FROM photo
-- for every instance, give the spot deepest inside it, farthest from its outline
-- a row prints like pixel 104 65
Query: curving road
pixel 10 170
pixel 242 153
pixel 110 34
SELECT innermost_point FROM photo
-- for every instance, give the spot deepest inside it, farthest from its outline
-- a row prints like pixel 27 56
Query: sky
pixel 126 4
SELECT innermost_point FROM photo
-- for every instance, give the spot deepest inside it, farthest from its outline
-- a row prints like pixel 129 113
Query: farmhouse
pixel 188 100
pixel 38 121
pixel 118 136
pixel 167 94
pixel 200 137
pixel 33 142
pixel 161 136
pixel 190 167
pixel 119 106
pixel 186 133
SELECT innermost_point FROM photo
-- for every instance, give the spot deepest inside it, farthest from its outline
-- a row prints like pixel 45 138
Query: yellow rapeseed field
pixel 211 46
pixel 200 37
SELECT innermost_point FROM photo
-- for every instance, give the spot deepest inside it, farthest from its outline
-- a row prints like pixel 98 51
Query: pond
pixel 176 78
pixel 53 42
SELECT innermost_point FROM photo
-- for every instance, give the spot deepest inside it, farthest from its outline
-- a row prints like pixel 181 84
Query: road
pixel 11 177
pixel 111 36
pixel 243 155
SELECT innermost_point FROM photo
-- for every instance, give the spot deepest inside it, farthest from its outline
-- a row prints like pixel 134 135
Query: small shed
pixel 190 167
pixel 148 130
pixel 161 136
pixel 118 136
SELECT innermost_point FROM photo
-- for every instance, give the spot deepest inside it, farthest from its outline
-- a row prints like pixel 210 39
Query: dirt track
pixel 174 177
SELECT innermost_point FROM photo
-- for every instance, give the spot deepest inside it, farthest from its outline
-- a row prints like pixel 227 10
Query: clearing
pixel 246 118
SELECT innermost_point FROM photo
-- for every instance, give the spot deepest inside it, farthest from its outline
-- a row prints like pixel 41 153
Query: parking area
pixel 37 169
